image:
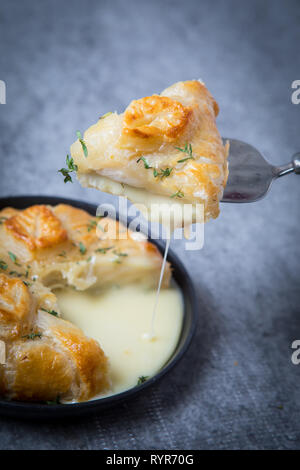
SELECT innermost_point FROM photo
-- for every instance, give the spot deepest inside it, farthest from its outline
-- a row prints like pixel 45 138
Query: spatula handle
pixel 293 167
pixel 296 163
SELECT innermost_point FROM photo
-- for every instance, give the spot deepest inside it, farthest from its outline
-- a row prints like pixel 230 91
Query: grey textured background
pixel 65 63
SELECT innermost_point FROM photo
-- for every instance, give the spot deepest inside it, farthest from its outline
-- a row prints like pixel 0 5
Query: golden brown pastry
pixel 44 247
pixel 47 358
pixel 167 145
pixel 63 245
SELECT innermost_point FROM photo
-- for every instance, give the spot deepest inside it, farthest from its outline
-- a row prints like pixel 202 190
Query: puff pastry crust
pixel 152 127
pixel 46 357
pixel 44 247
pixel 64 245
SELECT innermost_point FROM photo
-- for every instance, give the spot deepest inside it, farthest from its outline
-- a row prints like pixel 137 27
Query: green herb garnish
pixel 15 273
pixel 13 258
pixel 82 248
pixel 103 250
pixel 2 219
pixel 33 336
pixel 162 173
pixel 105 115
pixel 63 254
pixel 70 167
pixel 142 379
pixel 27 284
pixel 156 172
pixel 188 150
pixel 120 254
pixel 178 194
pixel 52 312
pixel 54 402
pixel 92 224
pixel 83 145
pixel 3 265
pixel 146 164
pixel 27 271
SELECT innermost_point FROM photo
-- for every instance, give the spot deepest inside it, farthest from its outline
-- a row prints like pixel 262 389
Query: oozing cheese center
pixel 118 319
pixel 171 213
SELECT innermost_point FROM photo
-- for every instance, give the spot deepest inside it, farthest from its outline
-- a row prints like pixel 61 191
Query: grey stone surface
pixel 66 63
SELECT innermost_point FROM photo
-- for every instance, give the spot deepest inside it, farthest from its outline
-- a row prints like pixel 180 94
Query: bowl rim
pixel 69 409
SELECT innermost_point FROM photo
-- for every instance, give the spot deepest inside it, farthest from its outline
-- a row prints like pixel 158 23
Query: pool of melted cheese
pixel 120 320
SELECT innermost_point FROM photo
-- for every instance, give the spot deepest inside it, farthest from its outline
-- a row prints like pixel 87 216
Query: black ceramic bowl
pixel 38 410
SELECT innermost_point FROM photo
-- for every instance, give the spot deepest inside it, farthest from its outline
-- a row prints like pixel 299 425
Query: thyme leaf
pixel 27 284
pixel 33 336
pixel 142 379
pixel 92 224
pixel 105 115
pixel 52 312
pixel 15 273
pixel 162 173
pixel 13 258
pixel 146 164
pixel 178 194
pixel 103 250
pixel 119 253
pixel 188 150
pixel 3 265
pixel 82 248
pixel 54 402
pixel 70 168
pixel 83 145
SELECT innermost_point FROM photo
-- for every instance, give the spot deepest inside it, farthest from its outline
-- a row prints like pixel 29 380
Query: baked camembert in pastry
pixel 63 245
pixel 46 357
pixel 42 248
pixel 163 149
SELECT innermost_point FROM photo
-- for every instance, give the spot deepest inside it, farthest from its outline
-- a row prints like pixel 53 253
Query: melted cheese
pixel 120 319
pixel 156 208
pixel 163 266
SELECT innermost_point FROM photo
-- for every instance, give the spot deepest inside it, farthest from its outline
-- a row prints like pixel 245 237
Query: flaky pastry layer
pixel 44 247
pixel 155 128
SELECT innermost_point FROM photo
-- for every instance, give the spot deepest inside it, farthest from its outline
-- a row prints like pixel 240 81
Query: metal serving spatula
pixel 250 175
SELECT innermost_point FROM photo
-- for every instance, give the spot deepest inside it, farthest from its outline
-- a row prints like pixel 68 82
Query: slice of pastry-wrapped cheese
pixel 47 358
pixel 164 149
pixel 44 247
pixel 64 245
